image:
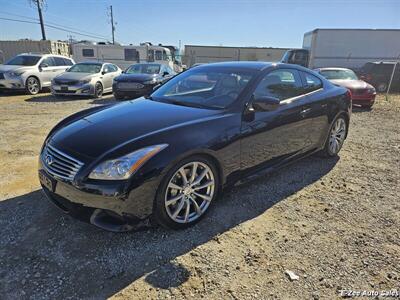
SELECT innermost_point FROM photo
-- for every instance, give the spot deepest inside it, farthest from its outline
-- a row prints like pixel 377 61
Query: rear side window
pixel 49 61
pixel 282 84
pixel 112 68
pixel 59 61
pixel 312 82
pixel 88 52
pixel 68 62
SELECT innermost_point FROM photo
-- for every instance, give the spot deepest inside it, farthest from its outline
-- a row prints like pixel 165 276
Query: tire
pixel 98 90
pixel 32 85
pixel 118 97
pixel 336 134
pixel 382 87
pixel 171 208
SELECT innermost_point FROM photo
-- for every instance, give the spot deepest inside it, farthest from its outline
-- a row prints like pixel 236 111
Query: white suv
pixel 32 72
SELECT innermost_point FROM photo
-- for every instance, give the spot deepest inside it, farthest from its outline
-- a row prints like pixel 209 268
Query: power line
pixel 54 27
pixel 56 24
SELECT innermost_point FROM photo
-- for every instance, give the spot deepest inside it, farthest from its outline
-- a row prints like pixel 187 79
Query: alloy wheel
pixel 33 85
pixel 337 136
pixel 98 90
pixel 189 192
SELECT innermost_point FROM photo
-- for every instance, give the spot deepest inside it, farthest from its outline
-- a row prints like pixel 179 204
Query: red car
pixel 362 93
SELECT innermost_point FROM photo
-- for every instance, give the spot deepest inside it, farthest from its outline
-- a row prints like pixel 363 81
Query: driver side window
pixel 282 84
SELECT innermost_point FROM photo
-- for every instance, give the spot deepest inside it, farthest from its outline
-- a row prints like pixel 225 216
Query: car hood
pixel 75 76
pixel 95 134
pixel 14 68
pixel 352 84
pixel 136 77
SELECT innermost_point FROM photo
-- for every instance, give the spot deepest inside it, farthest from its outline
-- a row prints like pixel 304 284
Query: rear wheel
pixel 98 90
pixel 337 135
pixel 32 86
pixel 186 193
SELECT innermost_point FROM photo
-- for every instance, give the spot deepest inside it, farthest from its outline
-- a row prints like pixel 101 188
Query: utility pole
pixel 39 7
pixel 112 24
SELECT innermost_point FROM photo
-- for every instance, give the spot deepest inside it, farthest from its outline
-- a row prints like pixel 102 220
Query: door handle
pixel 305 111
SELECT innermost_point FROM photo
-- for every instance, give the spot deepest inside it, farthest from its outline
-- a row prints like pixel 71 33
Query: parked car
pixel 87 78
pixel 140 79
pixel 32 72
pixel 378 74
pixel 169 155
pixel 362 93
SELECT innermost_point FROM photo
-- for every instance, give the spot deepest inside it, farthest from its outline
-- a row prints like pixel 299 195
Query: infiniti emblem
pixel 49 160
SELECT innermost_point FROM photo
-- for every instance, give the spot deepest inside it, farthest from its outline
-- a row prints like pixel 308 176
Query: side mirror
pixel 42 65
pixel 165 73
pixel 265 103
pixel 123 71
pixel 103 72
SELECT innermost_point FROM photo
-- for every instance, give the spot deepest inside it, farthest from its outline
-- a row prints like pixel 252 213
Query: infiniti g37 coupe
pixel 165 158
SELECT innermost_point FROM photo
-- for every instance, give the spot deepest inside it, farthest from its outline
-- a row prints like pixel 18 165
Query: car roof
pixel 42 54
pixel 254 65
pixel 99 63
pixel 333 68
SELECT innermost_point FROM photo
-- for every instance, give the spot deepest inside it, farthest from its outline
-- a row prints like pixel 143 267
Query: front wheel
pixel 98 90
pixel 32 86
pixel 337 135
pixel 186 193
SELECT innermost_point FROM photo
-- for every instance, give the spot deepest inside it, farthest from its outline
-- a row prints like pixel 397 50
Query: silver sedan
pixel 87 78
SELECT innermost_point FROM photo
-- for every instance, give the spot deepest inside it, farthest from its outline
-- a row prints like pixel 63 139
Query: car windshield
pixel 143 69
pixel 23 60
pixel 339 74
pixel 215 88
pixel 85 68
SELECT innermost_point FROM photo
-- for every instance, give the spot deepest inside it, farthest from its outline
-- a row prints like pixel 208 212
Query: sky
pixel 262 23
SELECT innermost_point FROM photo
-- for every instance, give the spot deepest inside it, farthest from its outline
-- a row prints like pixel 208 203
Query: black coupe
pixel 140 79
pixel 167 157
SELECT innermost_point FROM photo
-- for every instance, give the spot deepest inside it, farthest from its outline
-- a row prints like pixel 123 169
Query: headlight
pixel 150 81
pixel 371 91
pixel 85 81
pixel 125 166
pixel 15 74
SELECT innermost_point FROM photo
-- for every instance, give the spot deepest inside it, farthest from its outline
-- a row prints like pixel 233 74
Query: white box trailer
pixel 9 49
pixel 347 48
pixel 206 54
pixel 122 55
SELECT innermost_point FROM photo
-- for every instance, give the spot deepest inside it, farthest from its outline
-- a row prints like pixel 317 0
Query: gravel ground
pixel 334 223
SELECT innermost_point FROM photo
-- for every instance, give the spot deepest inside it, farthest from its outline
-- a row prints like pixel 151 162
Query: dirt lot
pixel 335 223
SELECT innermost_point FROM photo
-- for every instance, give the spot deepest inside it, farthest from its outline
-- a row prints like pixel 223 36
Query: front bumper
pixel 119 210
pixel 133 93
pixel 66 90
pixel 12 83
pixel 368 99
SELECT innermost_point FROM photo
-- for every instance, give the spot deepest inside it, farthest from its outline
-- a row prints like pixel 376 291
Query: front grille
pixel 66 82
pixel 130 85
pixel 60 164
pixel 1 75
pixel 65 92
pixel 358 91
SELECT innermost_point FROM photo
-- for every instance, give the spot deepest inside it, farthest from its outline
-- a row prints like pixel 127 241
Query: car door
pixel 60 64
pixel 47 69
pixel 316 109
pixel 269 137
pixel 107 77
